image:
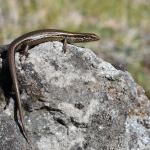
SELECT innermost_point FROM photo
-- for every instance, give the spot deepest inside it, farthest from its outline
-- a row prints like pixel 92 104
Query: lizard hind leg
pixel 24 52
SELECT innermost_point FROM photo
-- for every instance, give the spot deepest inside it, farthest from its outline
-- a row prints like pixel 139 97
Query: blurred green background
pixel 123 25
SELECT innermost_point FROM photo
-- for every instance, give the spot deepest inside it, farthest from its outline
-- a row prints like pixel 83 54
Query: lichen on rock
pixel 75 100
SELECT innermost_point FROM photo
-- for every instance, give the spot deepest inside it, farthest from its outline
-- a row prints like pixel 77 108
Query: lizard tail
pixel 23 127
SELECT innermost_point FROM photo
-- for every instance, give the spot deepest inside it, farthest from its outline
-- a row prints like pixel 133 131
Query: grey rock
pixel 75 101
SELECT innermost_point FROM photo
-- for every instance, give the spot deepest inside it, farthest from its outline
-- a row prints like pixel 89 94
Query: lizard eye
pixel 84 38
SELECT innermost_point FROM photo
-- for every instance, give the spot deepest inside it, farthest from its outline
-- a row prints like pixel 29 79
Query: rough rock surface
pixel 75 101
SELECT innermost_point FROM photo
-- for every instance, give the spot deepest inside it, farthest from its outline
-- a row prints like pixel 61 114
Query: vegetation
pixel 122 24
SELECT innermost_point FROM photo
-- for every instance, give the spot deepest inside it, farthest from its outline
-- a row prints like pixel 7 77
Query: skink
pixel 31 39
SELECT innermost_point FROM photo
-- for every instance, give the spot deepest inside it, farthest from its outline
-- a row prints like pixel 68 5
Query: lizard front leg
pixel 64 41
